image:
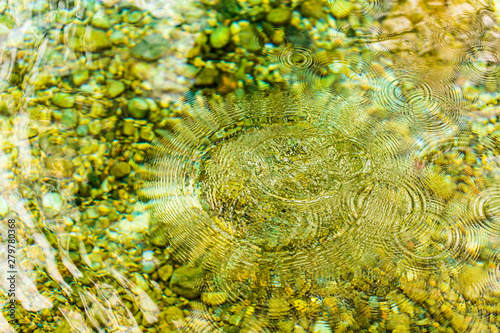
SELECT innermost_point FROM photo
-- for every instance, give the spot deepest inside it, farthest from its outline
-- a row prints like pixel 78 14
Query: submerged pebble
pixel 220 37
pixel 52 204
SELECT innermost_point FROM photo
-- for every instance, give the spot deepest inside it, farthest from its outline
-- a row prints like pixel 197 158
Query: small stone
pixel 150 48
pixel 120 170
pixel 340 8
pixel 312 9
pixel 165 272
pixel 459 323
pixel 115 88
pixel 118 37
pixel 95 127
pixel 138 108
pixel 278 307
pixel 96 40
pixel 69 118
pixel 4 207
pixel 128 128
pixel 148 267
pixel 82 130
pixel 146 133
pixel 59 167
pixel 63 100
pixel 395 320
pixel 134 16
pixel 173 314
pixel 101 20
pixel 279 16
pixel 52 204
pixel 69 242
pixel 213 298
pixel 80 78
pixel 95 261
pixel 103 209
pixel 94 179
pixel 207 77
pixel 187 282
pixel 220 37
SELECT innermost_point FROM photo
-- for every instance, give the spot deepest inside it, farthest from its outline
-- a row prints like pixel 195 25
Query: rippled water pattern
pixel 249 166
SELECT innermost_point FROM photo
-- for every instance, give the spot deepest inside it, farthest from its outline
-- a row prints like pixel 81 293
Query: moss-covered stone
pixel 114 88
pixel 279 16
pixel 101 20
pixel 207 77
pixel 165 272
pixel 187 282
pixel 150 48
pixel 63 100
pixel 220 37
pixel 138 108
pixel 80 77
pixel 120 170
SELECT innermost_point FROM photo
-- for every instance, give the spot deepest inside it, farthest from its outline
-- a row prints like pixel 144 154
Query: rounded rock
pixel 63 100
pixel 187 282
pixel 138 108
pixel 4 207
pixel 165 272
pixel 115 88
pixel 52 204
pixel 279 16
pixel 120 170
pixel 220 37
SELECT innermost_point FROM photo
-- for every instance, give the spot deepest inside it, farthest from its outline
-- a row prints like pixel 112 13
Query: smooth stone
pixel 340 8
pixel 69 117
pixel 312 9
pixel 120 170
pixel 117 37
pixel 187 281
pixel 150 48
pixel 135 16
pixel 63 100
pixel 52 204
pixel 95 127
pixel 94 179
pixel 207 77
pixel 101 20
pixel 4 207
pixel 80 78
pixel 96 40
pixel 279 16
pixel 115 88
pixel 220 37
pixel 278 307
pixel 61 167
pixel 148 267
pixel 69 242
pixel 129 128
pixel 165 272
pixel 173 314
pixel 213 298
pixel 138 108
pixel 82 130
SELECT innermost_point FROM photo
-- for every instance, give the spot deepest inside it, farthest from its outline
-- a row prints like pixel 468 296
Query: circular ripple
pixel 377 207
pixel 294 58
pixel 278 185
pixel 428 242
pixel 376 8
pixel 486 210
pixel 480 62
pixel 439 23
pixel 276 194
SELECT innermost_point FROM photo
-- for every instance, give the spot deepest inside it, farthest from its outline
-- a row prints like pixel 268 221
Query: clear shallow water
pixel 249 166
